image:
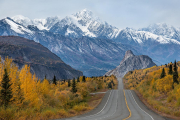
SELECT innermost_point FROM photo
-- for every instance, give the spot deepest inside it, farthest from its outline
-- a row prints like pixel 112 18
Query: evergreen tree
pixel 6 91
pixel 54 80
pixel 84 79
pixel 170 72
pixel 109 85
pixel 163 74
pixel 45 77
pixel 78 79
pixel 69 83
pixel 175 74
pixel 74 90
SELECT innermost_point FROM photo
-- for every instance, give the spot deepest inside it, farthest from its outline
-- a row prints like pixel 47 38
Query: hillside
pixel 42 61
pixel 159 91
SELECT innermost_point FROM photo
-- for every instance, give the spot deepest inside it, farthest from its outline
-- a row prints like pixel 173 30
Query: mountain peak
pixel 126 65
pixel 85 13
pixel 128 54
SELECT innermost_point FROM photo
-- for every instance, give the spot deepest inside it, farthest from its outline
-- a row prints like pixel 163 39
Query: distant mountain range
pixel 90 45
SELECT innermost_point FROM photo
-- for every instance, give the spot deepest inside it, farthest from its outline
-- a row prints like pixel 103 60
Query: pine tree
pixel 170 72
pixel 6 91
pixel 69 83
pixel 74 90
pixel 84 79
pixel 163 74
pixel 45 77
pixel 54 80
pixel 175 74
pixel 78 79
pixel 109 85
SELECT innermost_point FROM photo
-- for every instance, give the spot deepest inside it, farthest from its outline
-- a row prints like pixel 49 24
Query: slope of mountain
pixel 42 61
pixel 131 62
pixel 42 24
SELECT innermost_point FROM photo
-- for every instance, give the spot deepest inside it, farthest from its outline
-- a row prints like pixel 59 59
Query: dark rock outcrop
pixel 131 62
pixel 42 61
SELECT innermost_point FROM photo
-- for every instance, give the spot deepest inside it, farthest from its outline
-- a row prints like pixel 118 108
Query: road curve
pixel 114 107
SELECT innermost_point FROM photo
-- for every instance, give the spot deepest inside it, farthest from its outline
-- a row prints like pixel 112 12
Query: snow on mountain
pixel 84 23
pixel 17 28
pixel 93 46
pixel 135 37
pixel 163 29
pixel 42 24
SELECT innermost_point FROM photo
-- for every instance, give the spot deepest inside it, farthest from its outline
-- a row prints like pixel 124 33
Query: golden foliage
pixel 158 92
pixel 32 96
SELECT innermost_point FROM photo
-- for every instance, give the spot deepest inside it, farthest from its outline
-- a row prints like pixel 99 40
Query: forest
pixel 159 87
pixel 24 97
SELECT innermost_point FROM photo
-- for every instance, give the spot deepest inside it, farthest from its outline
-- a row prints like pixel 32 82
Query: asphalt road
pixel 115 106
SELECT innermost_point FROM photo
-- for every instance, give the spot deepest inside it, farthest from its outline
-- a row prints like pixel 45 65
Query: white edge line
pixel 102 109
pixel 140 107
pixel 114 111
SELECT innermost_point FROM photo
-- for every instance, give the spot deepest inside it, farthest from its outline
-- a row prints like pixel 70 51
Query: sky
pixel 119 13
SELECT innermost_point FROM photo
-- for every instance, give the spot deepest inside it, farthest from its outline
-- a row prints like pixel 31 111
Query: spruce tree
pixel 69 83
pixel 175 74
pixel 170 72
pixel 163 74
pixel 109 85
pixel 6 91
pixel 78 79
pixel 74 90
pixel 84 79
pixel 54 80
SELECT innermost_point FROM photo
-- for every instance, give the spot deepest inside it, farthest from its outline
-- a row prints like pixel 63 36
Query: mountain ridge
pixel 74 37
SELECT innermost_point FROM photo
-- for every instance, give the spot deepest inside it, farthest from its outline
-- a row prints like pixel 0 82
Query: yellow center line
pixel 127 107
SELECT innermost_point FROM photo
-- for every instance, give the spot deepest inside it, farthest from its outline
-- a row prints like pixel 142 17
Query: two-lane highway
pixel 119 105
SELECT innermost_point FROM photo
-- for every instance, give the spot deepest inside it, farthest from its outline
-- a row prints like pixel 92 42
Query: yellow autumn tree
pixel 28 85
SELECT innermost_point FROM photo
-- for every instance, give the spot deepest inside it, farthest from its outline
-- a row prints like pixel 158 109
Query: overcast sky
pixel 119 13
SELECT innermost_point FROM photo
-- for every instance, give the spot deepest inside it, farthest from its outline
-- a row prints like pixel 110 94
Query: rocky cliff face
pixel 131 62
pixel 42 61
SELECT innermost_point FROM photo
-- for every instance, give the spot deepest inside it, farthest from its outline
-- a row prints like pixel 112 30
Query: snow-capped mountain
pixel 93 56
pixel 163 29
pixel 88 44
pixel 84 23
pixel 42 24
pixel 10 27
pixel 142 38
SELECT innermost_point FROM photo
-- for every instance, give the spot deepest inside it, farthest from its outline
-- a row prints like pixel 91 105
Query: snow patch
pixel 17 28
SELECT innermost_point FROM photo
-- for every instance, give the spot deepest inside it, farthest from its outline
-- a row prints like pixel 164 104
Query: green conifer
pixel 54 80
pixel 163 74
pixel 74 90
pixel 6 91
pixel 175 74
